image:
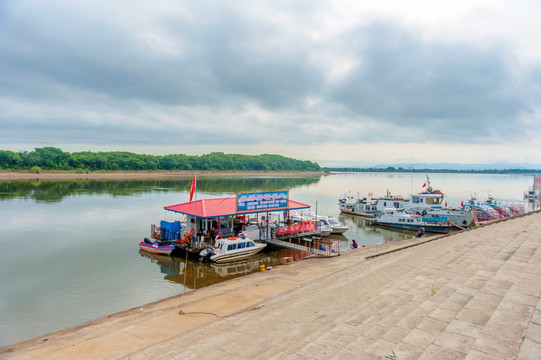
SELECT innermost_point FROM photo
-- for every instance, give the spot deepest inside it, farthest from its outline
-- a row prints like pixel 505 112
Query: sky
pixel 342 83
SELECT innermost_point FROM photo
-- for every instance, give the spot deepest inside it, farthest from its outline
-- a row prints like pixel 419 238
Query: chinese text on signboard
pixel 271 200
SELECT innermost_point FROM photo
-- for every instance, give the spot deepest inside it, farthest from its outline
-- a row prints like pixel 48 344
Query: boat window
pixel 242 245
pixel 333 221
pixel 415 199
pixel 248 244
pixel 429 200
pixel 231 247
pixel 420 200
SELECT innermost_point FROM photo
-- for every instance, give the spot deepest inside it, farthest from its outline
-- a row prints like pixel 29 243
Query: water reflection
pixel 81 259
pixel 56 190
pixel 195 274
pixel 366 234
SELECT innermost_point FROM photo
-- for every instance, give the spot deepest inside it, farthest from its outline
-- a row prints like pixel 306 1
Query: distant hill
pixel 451 166
pixel 522 168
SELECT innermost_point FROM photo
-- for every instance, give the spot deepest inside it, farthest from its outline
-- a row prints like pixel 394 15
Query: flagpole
pixel 193 189
pixel 195 206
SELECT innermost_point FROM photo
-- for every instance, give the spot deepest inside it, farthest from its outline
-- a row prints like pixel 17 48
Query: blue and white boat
pixel 399 218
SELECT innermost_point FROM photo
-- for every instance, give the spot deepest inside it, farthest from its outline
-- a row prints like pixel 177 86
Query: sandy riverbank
pixel 139 175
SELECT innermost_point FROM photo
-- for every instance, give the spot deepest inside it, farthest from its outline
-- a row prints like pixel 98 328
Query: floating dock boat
pixel 262 217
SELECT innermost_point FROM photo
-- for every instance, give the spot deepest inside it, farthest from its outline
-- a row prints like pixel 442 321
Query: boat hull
pixel 233 257
pixel 357 213
pixel 339 230
pixel 158 250
pixel 441 229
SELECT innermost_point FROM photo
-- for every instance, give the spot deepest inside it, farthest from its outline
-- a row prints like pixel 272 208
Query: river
pixel 69 248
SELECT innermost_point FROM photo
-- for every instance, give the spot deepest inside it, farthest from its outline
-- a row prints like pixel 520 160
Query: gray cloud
pixel 207 71
pixel 407 82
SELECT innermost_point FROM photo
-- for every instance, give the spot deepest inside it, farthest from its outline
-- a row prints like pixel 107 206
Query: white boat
pixel 336 226
pixel 531 195
pixel 231 249
pixel 399 218
pixel 326 224
pixel 419 203
pixel 428 204
pixel 366 206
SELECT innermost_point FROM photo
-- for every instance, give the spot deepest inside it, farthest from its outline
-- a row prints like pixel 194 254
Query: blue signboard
pixel 261 201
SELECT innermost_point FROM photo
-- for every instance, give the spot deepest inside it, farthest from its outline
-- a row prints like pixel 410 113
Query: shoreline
pixel 481 299
pixel 273 284
pixel 137 175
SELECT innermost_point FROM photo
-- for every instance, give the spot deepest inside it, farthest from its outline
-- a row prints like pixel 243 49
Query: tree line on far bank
pixel 409 170
pixel 51 158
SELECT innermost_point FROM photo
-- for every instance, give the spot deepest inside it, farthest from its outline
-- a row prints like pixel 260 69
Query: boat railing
pixel 313 245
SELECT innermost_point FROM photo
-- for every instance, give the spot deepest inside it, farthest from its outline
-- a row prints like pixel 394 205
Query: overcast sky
pixel 337 82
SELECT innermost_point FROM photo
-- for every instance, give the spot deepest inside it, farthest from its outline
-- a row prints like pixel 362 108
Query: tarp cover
pixel 170 230
pixel 173 226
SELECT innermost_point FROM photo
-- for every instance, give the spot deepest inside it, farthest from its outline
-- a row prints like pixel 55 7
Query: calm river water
pixel 69 248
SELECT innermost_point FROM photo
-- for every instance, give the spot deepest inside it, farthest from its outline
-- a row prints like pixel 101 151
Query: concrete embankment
pixel 471 295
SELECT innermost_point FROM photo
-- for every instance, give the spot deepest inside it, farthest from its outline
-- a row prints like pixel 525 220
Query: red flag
pixel 446 204
pixel 424 184
pixel 192 188
pixel 462 203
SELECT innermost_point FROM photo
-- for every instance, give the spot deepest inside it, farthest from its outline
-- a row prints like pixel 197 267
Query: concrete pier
pixel 471 295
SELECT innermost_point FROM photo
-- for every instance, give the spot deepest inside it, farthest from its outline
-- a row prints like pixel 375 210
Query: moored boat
pixel 231 249
pixel 399 218
pixel 365 207
pixel 164 247
pixel 326 224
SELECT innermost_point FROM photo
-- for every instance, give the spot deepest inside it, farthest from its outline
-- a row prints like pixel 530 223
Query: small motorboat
pixel 326 224
pixel 232 248
pixel 163 247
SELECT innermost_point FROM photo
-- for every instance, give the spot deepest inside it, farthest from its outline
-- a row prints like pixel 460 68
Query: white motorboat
pixel 326 224
pixel 399 218
pixel 336 226
pixel 365 207
pixel 232 248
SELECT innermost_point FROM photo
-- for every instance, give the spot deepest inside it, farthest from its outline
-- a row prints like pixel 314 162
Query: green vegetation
pixel 51 158
pixel 52 191
pixel 408 170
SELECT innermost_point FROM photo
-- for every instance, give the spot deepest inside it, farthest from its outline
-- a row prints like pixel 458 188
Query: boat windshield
pixel 333 221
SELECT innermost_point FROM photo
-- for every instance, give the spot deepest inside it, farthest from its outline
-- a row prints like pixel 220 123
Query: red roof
pixel 211 208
